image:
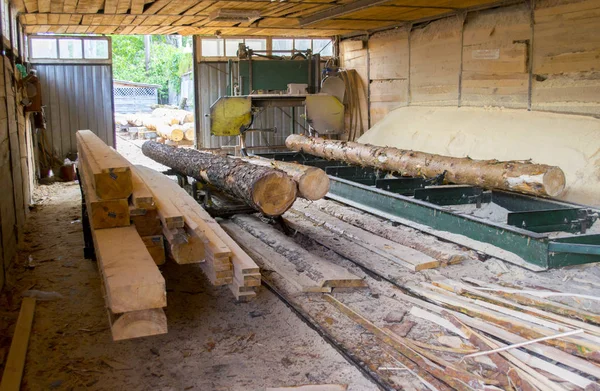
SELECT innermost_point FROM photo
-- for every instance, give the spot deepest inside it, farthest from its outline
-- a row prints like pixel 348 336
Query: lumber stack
pixel 193 236
pixel 134 288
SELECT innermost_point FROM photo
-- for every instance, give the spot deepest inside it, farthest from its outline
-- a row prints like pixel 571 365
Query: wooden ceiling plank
pixel 75 19
pixel 64 19
pixel 340 10
pixel 198 8
pixel 43 6
pixel 128 19
pixel 86 20
pixel 31 6
pixel 20 6
pixel 156 6
pixel 42 19
pixel 178 7
pixel 110 6
pixel 53 19
pixel 123 6
pixel 137 7
pixel 56 6
pixel 69 6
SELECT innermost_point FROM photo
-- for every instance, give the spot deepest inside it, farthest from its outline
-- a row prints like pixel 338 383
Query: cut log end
pixel 314 184
pixel 139 324
pixel 554 181
pixel 274 193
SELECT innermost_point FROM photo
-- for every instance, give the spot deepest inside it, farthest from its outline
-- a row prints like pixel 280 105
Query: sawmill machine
pixel 258 80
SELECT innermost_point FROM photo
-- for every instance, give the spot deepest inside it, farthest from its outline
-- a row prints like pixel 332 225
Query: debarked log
pixel 518 176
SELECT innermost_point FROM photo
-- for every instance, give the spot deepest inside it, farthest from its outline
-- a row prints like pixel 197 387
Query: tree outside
pixel 167 60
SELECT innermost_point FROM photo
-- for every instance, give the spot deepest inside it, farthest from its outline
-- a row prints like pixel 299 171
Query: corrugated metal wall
pixel 212 83
pixel 76 97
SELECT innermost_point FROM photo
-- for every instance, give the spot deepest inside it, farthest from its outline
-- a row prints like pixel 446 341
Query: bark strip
pixel 267 190
pixel 519 176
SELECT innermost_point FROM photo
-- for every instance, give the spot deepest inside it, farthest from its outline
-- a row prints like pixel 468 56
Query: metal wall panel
pixel 76 97
pixel 213 79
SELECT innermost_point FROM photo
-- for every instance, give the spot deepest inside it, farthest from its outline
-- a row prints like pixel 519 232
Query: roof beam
pixel 339 11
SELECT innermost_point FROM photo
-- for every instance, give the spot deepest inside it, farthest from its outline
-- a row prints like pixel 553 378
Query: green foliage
pixel 167 62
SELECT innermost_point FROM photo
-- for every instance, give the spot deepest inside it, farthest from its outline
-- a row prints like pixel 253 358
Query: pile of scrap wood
pixel 501 336
pixel 132 212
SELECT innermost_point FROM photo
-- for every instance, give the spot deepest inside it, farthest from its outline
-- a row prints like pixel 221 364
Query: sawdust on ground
pixel 213 342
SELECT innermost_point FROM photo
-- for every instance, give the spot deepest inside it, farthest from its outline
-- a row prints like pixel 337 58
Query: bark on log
pixel 313 183
pixel 267 190
pixel 519 176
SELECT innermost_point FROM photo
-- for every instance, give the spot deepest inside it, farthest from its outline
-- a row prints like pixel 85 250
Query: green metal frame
pixel 364 189
pixel 274 74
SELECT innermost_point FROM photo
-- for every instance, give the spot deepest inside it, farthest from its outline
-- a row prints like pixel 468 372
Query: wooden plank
pixel 270 260
pixel 170 216
pixel 473 293
pixel 103 213
pixel 146 222
pixel 579 347
pixel 15 363
pixel 137 324
pixel 110 171
pixel 193 250
pixel 404 256
pixel 449 374
pixel 435 63
pixel 141 195
pixel 323 272
pixel 131 277
pixel 156 247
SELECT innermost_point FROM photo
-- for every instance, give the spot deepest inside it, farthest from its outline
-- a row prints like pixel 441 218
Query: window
pixel 283 44
pixel 260 45
pixel 228 47
pixel 43 48
pixel 302 44
pixel 231 47
pixel 95 49
pixel 324 47
pixel 70 48
pixel 212 47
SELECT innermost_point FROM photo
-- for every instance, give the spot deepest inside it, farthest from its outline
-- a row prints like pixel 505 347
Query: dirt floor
pixel 213 342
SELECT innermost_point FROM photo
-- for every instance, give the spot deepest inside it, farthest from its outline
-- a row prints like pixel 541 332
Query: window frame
pixel 59 60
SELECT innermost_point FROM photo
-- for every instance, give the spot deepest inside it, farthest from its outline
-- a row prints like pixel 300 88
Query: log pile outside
pixel 165 125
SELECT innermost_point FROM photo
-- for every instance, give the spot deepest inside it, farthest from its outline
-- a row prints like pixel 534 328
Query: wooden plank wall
pixel 566 56
pixel 16 166
pixel 546 59
pixel 388 61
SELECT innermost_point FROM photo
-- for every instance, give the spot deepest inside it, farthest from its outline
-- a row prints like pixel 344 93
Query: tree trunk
pixel 519 176
pixel 313 183
pixel 267 190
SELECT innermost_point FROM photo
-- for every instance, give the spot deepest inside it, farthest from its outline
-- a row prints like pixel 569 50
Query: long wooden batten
pixel 267 190
pixel 519 176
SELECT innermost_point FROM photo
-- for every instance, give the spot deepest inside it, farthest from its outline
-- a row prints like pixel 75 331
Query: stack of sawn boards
pixel 132 210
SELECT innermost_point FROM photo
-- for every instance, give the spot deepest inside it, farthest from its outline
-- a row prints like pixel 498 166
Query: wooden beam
pixel 131 277
pixel 15 363
pixel 339 11
pixel 138 324
pixel 110 174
